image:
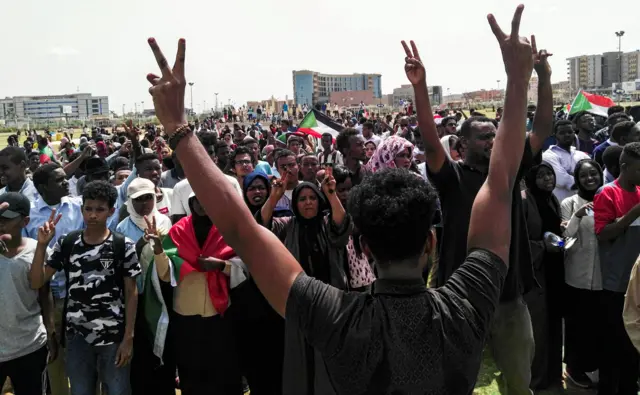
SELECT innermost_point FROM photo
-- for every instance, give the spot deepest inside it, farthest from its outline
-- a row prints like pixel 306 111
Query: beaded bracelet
pixel 178 135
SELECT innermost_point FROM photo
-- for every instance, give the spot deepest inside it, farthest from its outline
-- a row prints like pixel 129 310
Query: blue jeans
pixel 85 363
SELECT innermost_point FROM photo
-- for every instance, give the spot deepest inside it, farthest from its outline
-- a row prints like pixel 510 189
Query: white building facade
pixel 82 106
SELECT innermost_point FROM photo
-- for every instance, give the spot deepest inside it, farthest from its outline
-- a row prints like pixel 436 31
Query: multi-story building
pixel 311 87
pixel 595 72
pixel 405 93
pixel 585 72
pixel 81 106
pixel 631 66
pixel 561 92
pixel 610 68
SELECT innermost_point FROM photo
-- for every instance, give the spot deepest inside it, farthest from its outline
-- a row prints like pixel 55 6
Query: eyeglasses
pixel 452 125
pixel 243 162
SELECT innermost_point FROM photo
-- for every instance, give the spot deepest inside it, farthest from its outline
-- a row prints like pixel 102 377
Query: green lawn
pixel 489 375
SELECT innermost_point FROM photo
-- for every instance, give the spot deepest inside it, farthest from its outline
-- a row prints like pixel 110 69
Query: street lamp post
pixel 498 93
pixel 191 90
pixel 619 35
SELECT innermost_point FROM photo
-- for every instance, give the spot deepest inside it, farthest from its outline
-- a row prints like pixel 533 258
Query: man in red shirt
pixel 616 209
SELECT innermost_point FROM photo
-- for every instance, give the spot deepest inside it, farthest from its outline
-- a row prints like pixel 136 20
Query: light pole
pixel 619 35
pixel 191 90
pixel 216 93
pixel 498 81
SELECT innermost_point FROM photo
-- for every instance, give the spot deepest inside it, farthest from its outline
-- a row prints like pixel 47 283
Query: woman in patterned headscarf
pixel 393 152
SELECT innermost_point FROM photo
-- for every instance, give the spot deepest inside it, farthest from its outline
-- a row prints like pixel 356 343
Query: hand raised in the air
pixel 168 90
pixel 48 229
pixel 540 62
pixel 516 51
pixel 413 66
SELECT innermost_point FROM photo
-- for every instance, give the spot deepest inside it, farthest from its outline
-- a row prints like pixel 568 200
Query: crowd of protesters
pixel 217 257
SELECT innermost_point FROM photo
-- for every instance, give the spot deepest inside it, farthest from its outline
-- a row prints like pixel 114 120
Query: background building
pixel 270 105
pixel 585 72
pixel 600 72
pixel 405 93
pixel 310 87
pixel 353 98
pixel 81 106
pixel 561 92
pixel 532 92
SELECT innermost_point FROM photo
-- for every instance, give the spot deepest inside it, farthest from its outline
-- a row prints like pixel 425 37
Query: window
pixel 94 101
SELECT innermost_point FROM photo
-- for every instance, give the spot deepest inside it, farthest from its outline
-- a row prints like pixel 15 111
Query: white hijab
pixel 445 143
pixel 163 222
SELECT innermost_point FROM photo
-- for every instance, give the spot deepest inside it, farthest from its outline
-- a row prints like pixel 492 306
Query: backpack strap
pixel 66 249
pixel 119 246
pixel 334 156
pixel 119 253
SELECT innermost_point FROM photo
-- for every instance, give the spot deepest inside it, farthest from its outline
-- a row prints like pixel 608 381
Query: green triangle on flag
pixel 591 103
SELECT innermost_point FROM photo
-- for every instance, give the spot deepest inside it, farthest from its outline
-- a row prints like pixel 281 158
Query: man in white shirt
pixel 563 157
pixel 367 133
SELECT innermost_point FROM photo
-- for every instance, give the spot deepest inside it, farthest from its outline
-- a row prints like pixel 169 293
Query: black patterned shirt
pixel 95 308
pixel 404 339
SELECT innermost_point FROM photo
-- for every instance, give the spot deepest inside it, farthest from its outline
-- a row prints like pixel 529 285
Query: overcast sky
pixel 246 49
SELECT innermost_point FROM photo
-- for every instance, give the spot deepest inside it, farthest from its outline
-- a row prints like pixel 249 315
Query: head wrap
pixel 386 153
pixel 245 185
pixel 163 222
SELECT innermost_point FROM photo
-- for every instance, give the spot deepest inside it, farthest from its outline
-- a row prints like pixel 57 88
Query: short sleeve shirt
pixel 404 338
pixel 95 306
pixel 458 184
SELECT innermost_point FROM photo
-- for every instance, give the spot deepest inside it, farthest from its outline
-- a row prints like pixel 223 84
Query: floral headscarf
pixel 386 153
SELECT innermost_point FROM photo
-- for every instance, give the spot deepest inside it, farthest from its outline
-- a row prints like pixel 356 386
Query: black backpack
pixel 119 252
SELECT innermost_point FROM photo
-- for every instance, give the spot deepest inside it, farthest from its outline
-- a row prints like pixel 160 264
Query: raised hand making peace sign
pixel 152 235
pixel 168 91
pixel 413 64
pixel 540 63
pixel 516 51
pixel 48 229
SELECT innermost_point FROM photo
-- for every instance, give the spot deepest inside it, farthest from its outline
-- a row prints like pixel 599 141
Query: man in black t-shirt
pixel 403 339
pixel 458 184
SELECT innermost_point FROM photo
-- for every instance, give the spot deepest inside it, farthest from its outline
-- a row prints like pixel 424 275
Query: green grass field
pixel 489 381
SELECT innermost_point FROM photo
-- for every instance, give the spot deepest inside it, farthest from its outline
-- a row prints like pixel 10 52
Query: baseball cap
pixel 18 205
pixel 140 186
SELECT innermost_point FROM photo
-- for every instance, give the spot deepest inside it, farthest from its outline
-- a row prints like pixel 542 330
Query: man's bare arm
pixel 414 68
pixel 543 120
pixel 490 224
pixel 270 263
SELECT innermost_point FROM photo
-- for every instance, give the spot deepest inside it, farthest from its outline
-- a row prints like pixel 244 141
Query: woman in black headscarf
pixel 317 240
pixel 259 330
pixel 256 190
pixel 542 211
